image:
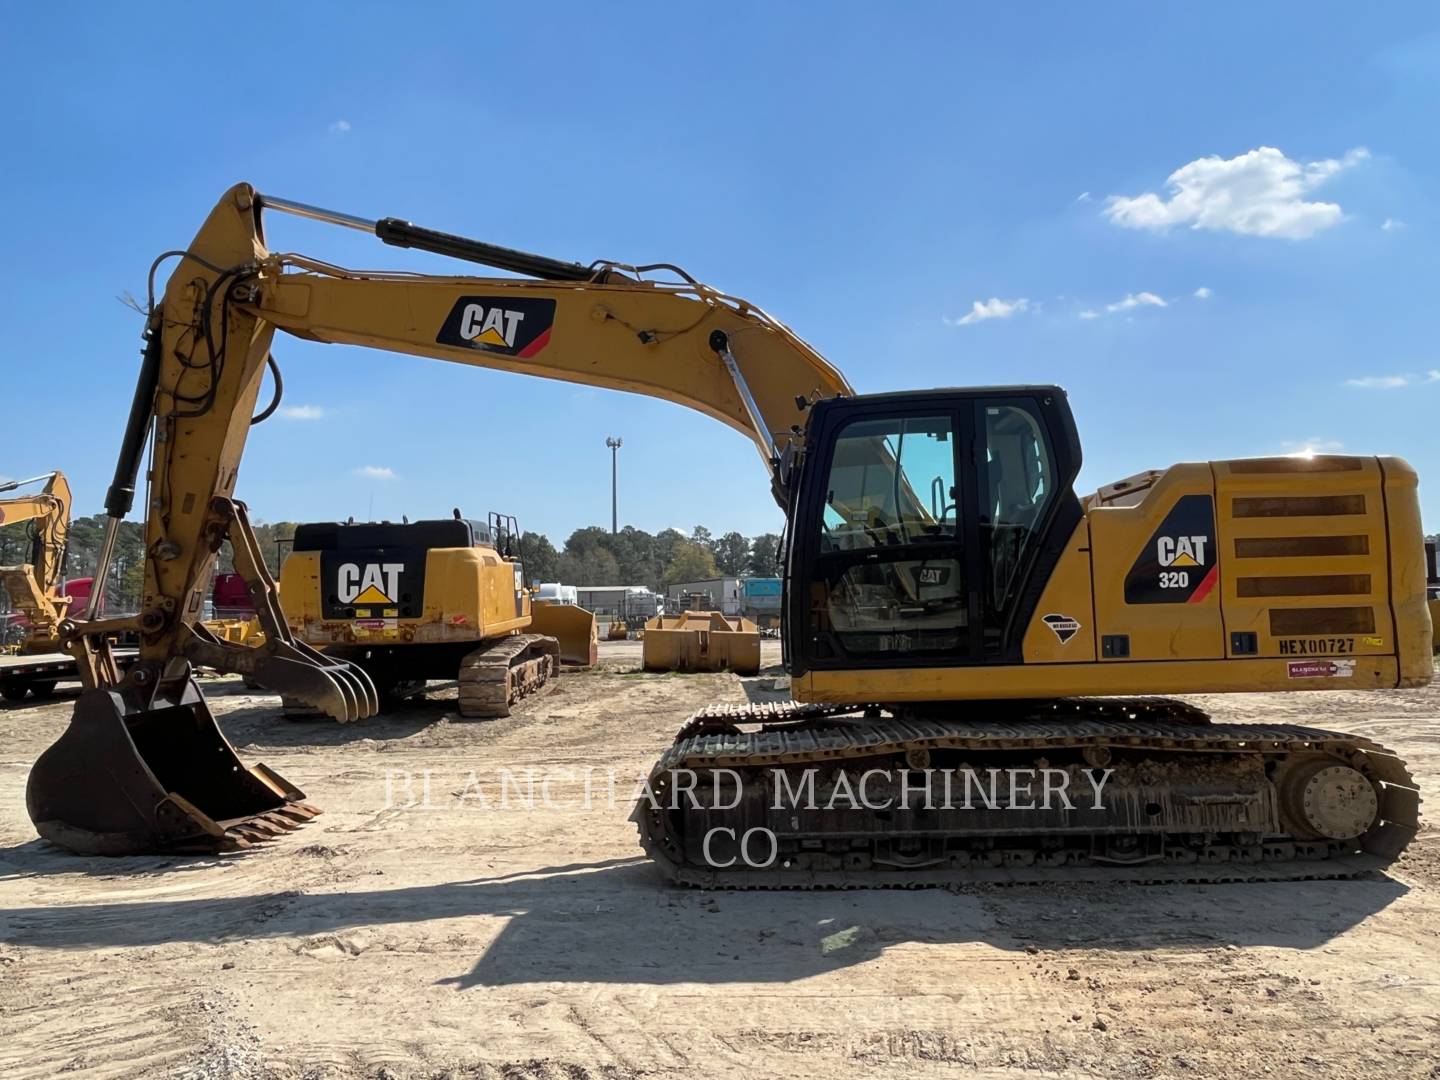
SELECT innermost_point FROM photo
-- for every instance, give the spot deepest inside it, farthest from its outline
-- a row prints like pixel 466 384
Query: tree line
pixel 596 556
pixel 590 556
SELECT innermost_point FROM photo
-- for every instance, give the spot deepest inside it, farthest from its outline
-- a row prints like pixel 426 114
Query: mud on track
pixel 536 943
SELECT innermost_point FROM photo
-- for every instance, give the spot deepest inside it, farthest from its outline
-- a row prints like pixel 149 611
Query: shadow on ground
pixel 616 921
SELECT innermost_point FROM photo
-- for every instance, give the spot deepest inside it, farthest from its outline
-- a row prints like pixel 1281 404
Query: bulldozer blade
pixel 131 779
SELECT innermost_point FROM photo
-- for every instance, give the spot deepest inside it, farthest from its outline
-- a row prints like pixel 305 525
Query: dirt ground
pixel 395 941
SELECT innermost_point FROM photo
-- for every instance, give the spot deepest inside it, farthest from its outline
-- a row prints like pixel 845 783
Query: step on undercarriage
pixel 1135 789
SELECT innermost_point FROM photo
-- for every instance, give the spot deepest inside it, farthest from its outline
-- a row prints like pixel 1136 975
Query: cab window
pixel 891 481
pixel 890 577
pixel 1019 476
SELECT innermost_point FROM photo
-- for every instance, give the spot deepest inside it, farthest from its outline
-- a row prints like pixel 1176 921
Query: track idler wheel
pixel 130 778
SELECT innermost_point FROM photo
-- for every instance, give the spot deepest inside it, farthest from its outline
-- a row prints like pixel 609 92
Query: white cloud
pixel 1134 300
pixel 1084 196
pixel 1130 302
pixel 340 127
pixel 376 472
pixel 1392 382
pixel 1391 224
pixel 994 308
pixel 1203 293
pixel 301 412
pixel 1259 193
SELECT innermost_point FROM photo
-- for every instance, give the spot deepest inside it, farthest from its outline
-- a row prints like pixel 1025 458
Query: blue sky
pixel 868 174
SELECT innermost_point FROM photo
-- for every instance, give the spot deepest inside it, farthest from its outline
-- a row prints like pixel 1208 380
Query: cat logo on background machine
pixel 374 583
pixel 1178 565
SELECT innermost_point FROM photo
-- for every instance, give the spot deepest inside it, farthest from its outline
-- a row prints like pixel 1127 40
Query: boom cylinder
pixel 399 233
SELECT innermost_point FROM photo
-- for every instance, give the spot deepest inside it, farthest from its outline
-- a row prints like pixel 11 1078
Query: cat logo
pixel 933 575
pixel 493 327
pixel 374 583
pixel 508 325
pixel 1181 550
pixel 1179 563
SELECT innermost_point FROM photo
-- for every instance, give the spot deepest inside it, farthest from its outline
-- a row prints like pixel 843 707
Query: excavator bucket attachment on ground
pixel 129 778
pixel 702 641
pixel 573 627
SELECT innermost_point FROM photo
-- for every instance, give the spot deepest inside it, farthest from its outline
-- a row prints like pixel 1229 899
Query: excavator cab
pixel 924 526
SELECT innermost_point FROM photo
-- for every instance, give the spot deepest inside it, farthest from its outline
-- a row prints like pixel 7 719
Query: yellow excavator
pixel 952 607
pixel 34 585
pixel 436 599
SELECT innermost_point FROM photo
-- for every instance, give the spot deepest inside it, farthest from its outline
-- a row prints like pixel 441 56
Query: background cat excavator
pixel 440 599
pixel 951 604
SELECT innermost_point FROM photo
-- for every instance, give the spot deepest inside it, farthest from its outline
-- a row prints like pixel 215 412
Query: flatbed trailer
pixel 35 675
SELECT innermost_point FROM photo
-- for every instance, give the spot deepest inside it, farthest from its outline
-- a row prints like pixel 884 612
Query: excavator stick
pixel 145 773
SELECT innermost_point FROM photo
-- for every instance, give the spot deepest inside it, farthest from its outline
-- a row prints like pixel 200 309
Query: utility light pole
pixel 614 445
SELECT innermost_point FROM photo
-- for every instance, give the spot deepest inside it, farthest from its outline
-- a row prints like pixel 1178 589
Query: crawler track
pixel 1187 800
pixel 500 673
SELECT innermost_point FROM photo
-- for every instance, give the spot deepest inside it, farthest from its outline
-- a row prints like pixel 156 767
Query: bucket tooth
pixel 133 776
pixel 299 812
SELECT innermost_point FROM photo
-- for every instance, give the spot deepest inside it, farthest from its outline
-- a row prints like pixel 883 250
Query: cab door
pixel 887 579
pixel 917 525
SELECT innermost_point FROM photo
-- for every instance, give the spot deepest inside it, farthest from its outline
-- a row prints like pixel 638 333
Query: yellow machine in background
pixel 34 586
pixel 702 641
pixel 950 600
pixel 430 600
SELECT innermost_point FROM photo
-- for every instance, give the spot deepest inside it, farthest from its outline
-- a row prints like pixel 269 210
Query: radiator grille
pixel 1297 506
pixel 1305 585
pixel 1299 547
pixel 1295 622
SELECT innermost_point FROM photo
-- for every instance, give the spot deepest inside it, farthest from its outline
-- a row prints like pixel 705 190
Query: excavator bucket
pixel 573 627
pixel 702 641
pixel 129 779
